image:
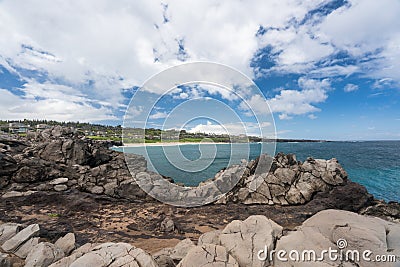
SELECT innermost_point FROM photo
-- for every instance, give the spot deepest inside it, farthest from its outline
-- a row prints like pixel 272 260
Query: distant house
pixel 41 127
pixel 17 127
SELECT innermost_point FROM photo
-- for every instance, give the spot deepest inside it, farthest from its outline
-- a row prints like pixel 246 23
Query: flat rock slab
pixel 43 254
pixel 66 243
pixel 13 244
pixel 8 230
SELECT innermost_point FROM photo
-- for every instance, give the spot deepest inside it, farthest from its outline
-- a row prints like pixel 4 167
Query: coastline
pixel 174 144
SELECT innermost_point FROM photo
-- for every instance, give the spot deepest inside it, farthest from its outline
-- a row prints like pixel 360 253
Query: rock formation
pixel 58 160
pixel 255 241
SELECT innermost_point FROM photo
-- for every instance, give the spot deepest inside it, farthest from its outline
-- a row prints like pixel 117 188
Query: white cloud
pixel 284 116
pixel 159 115
pixel 295 102
pixel 99 47
pixel 350 88
pixel 15 108
pixel 312 117
pixel 234 128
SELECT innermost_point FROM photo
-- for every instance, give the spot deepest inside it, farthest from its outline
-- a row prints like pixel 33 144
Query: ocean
pixel 374 164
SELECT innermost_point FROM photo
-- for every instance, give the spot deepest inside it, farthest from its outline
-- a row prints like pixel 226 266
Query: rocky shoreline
pixel 69 185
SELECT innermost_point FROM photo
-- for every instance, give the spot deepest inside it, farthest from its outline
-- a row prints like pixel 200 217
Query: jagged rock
pixel 208 255
pixel 8 230
pixel 325 228
pixel 66 243
pixel 243 239
pixel 13 243
pixel 181 249
pixel 283 180
pixel 388 211
pixel 211 237
pixel 113 255
pixel 167 225
pixel 26 247
pixel 43 254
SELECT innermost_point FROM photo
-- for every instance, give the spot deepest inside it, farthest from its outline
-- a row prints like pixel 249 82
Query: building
pixel 18 128
pixel 41 127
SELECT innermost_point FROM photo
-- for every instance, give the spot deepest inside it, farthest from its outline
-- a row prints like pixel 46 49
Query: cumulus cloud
pixel 96 48
pixel 158 115
pixel 298 102
pixel 16 108
pixel 233 128
pixel 350 87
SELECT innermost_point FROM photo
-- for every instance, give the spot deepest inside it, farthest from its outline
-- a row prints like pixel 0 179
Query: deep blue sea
pixel 374 164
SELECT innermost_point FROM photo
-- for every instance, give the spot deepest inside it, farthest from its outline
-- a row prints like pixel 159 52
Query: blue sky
pixel 328 69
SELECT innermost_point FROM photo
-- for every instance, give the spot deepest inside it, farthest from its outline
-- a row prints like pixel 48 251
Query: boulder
pixel 17 194
pixel 208 255
pixel 13 243
pixel 26 247
pixel 8 230
pixel 243 239
pixel 57 181
pixel 167 225
pixel 340 230
pixel 79 252
pixel 66 243
pixel 113 255
pixel 211 237
pixel 181 249
pixel 163 260
pixel 43 254
pixel 60 187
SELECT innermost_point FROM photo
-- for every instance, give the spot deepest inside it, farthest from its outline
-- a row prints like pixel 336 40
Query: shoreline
pixel 174 144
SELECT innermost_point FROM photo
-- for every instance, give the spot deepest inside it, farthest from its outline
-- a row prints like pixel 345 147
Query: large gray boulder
pixel 43 254
pixel 66 243
pixel 77 253
pixel 17 240
pixel 211 237
pixel 341 230
pixel 243 239
pixel 181 249
pixel 113 255
pixel 208 255
pixel 23 251
pixel 8 230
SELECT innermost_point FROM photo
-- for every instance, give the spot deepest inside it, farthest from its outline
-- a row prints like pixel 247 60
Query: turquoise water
pixel 374 164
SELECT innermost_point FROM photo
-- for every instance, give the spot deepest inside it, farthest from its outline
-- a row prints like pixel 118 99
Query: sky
pixel 327 69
